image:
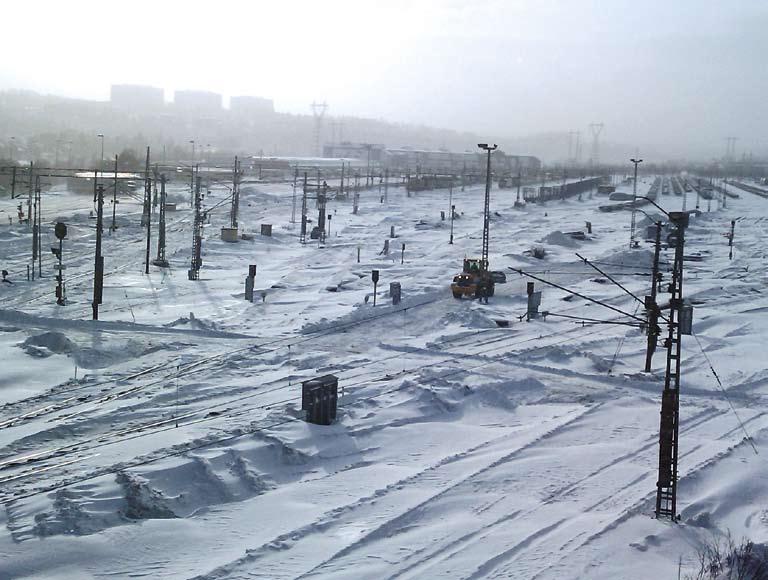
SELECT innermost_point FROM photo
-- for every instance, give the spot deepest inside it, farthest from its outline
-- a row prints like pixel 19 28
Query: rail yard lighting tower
pixel 192 141
pixel 486 212
pixel 634 200
pixel 101 137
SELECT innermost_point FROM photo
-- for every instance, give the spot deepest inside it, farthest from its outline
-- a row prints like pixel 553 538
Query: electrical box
pixel 266 230
pixel 686 319
pixel 394 292
pixel 319 397
pixel 534 301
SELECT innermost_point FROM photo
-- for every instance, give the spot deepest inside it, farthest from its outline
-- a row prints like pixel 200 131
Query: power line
pixel 588 263
pixel 725 394
pixel 598 302
pixel 593 320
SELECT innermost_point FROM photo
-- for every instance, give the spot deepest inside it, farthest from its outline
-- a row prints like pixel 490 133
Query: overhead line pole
pixel 666 485
pixel 113 227
pixel 652 307
pixel 98 268
pixel 634 201
pixel 148 213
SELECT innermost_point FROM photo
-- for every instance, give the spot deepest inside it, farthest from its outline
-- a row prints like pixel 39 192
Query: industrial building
pixel 441 160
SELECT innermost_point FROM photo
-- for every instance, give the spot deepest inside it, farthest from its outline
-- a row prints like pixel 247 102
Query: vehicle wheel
pixel 457 295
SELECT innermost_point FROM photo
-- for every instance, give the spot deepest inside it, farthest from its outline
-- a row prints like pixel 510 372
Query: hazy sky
pixel 666 72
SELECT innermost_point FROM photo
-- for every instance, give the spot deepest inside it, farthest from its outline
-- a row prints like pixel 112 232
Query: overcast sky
pixel 674 72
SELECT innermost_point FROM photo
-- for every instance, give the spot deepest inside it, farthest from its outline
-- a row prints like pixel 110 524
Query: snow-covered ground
pixel 166 441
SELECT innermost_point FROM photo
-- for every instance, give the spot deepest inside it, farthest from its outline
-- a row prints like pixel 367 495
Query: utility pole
pixel 155 181
pixel 368 166
pixel 98 266
pixel 303 231
pixel 235 194
pixel 161 261
pixel 666 485
pixel 519 179
pixel 321 205
pixel 634 202
pixel 451 206
pixel 148 213
pixel 197 236
pixel 39 220
pixel 35 227
pixel 192 187
pixel 651 307
pixel 13 181
pixel 29 194
pixel 341 185
pixel 113 227
pixel 293 202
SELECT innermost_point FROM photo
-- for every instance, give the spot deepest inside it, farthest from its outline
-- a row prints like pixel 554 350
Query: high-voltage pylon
pixel 318 111
pixel 595 129
pixel 197 235
pixel 666 485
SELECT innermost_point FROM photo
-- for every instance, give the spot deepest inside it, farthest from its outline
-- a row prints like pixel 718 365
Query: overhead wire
pixel 747 436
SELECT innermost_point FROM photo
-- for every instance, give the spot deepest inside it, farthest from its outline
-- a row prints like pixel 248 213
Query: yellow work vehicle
pixel 474 281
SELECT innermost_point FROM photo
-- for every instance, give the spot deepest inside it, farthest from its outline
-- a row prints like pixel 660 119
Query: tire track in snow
pixel 637 507
pixel 583 526
pixel 480 534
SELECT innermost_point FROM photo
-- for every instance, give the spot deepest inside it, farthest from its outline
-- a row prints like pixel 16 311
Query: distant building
pixel 197 101
pixel 246 106
pixel 360 151
pixel 440 160
pixel 136 97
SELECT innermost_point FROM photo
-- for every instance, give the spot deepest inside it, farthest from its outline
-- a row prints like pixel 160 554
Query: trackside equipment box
pixel 319 398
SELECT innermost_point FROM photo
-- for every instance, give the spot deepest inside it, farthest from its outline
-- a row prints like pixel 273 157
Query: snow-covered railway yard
pixel 463 449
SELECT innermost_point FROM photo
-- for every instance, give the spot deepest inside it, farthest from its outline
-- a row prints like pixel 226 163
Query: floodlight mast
pixel 486 209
